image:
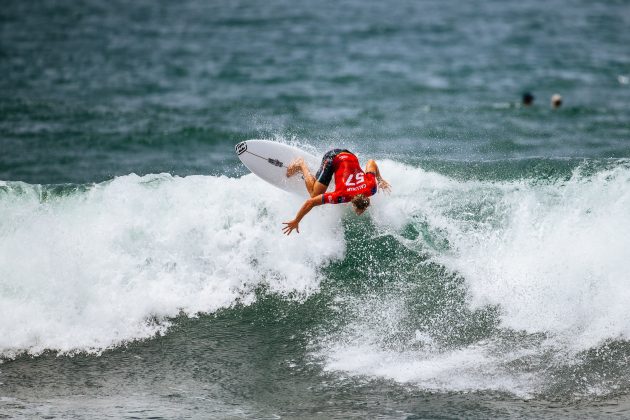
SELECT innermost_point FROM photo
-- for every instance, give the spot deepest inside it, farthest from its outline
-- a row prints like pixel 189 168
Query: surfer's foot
pixel 295 167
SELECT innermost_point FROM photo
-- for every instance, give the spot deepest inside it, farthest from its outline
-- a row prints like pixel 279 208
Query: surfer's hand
pixel 384 185
pixel 293 224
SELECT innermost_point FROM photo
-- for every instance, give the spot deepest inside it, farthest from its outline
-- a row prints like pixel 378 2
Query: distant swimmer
pixel 528 99
pixel 556 100
pixel 352 184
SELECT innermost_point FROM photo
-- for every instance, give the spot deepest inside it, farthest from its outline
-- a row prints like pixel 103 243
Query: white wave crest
pixel 91 270
pixel 551 256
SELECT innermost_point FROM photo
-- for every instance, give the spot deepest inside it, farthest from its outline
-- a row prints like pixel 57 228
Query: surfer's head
pixel 360 203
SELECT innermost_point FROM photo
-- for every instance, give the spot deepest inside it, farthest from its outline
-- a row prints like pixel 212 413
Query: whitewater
pixel 86 268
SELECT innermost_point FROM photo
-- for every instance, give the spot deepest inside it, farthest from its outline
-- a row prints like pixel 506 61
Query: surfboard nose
pixel 241 148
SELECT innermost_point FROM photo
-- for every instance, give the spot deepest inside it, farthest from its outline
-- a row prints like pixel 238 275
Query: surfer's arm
pixel 371 166
pixel 306 207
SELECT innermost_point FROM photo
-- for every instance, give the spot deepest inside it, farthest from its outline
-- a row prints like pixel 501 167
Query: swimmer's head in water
pixel 556 100
pixel 360 203
pixel 528 98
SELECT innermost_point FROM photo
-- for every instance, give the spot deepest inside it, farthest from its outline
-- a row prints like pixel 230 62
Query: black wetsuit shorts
pixel 326 169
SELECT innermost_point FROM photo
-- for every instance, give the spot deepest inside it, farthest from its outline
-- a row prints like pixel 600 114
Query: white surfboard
pixel 269 160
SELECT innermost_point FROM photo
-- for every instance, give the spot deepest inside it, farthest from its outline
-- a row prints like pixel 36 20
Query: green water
pixel 91 91
pixel 143 274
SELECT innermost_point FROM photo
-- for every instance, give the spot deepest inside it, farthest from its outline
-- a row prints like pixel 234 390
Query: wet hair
pixel 528 98
pixel 361 202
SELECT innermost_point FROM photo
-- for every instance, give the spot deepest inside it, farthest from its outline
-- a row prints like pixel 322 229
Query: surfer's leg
pixel 309 179
pixel 325 173
pixel 298 165
pixel 313 186
pixel 318 188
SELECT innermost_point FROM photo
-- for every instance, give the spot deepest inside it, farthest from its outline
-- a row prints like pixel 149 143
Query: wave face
pixel 513 286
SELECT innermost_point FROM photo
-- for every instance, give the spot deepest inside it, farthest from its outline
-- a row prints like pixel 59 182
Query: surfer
pixel 352 184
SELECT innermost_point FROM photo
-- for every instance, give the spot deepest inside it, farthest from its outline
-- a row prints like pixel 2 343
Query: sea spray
pixel 526 279
pixel 447 284
pixel 91 269
pixel 553 255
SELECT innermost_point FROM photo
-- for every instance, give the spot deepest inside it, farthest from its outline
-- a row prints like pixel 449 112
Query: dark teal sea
pixel 143 271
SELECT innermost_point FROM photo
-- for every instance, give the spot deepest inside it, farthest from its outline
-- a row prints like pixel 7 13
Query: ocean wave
pixel 552 255
pixel 520 286
pixel 468 284
pixel 90 268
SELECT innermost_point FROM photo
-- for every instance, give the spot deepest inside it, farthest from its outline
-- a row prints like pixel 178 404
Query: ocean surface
pixel 143 271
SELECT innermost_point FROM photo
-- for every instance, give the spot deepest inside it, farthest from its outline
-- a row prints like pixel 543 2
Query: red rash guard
pixel 350 180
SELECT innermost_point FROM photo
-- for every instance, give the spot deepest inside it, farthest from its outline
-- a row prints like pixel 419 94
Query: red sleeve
pixel 335 197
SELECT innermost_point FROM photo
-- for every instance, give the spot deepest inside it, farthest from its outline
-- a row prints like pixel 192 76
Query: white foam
pixel 471 368
pixel 375 343
pixel 553 257
pixel 92 270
